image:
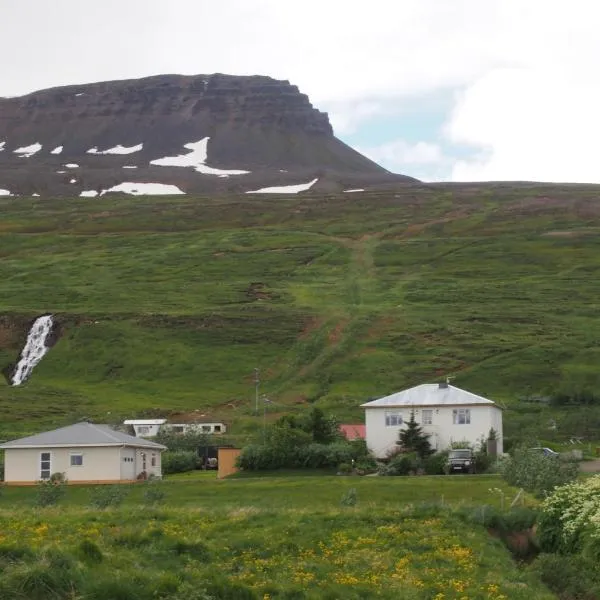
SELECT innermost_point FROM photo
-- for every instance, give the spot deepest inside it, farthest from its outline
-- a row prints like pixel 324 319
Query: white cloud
pixel 399 154
pixel 525 70
pixel 536 120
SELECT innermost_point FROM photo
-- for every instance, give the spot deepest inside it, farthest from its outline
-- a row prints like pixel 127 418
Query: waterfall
pixel 34 349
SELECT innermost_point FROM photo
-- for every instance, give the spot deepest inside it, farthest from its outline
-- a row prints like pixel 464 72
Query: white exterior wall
pixel 381 439
pixel 196 427
pixel 145 463
pixel 146 431
pixel 99 464
pixel 22 465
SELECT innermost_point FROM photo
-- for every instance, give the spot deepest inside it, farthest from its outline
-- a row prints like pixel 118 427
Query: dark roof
pixel 81 434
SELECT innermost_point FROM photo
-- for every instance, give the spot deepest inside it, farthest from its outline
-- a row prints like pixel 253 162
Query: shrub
pixel 50 491
pixel 195 550
pixel 402 464
pixel 90 552
pixel 536 473
pixel 436 463
pixel 349 498
pixel 153 494
pixel 345 468
pixel 568 576
pixel 569 515
pixel 271 455
pixel 178 461
pixel 108 495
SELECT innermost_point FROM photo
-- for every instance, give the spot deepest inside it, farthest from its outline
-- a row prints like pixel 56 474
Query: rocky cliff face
pixel 255 124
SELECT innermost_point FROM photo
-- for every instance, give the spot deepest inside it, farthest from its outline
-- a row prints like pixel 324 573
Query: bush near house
pixel 178 461
pixel 568 533
pixel 535 472
pixel 312 441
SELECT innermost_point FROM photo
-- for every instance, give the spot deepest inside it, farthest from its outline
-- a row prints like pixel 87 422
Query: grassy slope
pixel 169 304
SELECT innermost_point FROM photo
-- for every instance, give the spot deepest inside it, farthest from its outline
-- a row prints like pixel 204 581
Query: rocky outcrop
pixel 253 123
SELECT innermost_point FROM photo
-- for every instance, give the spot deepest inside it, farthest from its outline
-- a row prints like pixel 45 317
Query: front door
pixel 45 465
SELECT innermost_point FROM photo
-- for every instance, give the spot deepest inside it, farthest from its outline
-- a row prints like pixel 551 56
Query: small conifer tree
pixel 414 439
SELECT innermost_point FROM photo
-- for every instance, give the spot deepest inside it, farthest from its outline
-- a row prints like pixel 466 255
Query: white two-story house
pixel 447 413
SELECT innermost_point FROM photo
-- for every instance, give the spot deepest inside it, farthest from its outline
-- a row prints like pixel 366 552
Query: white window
pixel 393 419
pixel 426 416
pixel 44 465
pixel 76 460
pixel 461 416
pixel 143 430
pixel 153 460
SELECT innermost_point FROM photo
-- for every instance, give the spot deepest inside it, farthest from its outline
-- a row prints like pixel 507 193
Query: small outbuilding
pixel 446 414
pixel 83 453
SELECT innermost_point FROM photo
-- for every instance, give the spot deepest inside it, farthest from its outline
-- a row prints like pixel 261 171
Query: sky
pixel 443 90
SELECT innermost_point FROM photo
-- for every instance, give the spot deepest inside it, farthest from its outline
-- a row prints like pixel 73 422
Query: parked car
pixel 460 460
pixel 546 452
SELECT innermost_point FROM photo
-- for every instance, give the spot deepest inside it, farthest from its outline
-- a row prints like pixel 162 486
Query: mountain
pixel 167 305
pixel 184 134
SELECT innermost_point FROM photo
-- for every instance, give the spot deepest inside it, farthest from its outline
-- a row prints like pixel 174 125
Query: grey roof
pixel 429 394
pixel 81 434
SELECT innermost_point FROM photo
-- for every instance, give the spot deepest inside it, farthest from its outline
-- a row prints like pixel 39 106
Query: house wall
pixel 381 439
pixel 143 462
pixel 99 464
pixel 145 430
pixel 196 427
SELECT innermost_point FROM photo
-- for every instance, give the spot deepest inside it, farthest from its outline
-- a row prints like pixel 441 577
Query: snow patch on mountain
pixel 197 159
pixel 285 189
pixel 144 189
pixel 88 194
pixel 57 150
pixel 118 149
pixel 27 151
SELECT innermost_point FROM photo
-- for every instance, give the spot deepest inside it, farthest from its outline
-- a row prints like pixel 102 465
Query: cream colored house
pixel 84 453
pixel 446 413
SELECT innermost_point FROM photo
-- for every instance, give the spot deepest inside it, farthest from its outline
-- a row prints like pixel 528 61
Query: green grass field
pixel 287 490
pixel 168 304
pixel 263 538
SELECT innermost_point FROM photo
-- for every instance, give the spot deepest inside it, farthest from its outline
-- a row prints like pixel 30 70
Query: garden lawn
pixel 314 492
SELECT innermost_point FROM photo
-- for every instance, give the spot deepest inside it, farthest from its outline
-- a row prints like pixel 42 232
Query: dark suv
pixel 460 460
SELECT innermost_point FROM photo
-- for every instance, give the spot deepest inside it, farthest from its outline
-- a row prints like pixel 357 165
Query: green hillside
pixel 169 304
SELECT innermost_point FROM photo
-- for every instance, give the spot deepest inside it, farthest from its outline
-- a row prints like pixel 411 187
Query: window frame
pixel 143 429
pixel 41 463
pixel 461 416
pixel 396 416
pixel 427 416
pixel 73 455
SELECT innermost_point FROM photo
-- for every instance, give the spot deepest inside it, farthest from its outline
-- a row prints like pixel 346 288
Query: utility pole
pixel 256 386
pixel 265 402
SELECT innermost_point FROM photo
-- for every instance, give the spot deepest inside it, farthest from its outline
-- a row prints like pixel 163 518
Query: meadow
pixel 167 305
pixel 264 538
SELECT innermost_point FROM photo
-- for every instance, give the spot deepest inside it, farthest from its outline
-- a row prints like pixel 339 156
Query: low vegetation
pixel 267 538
